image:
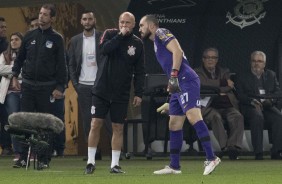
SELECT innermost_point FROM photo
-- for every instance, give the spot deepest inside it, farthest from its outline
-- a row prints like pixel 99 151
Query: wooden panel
pixel 71 121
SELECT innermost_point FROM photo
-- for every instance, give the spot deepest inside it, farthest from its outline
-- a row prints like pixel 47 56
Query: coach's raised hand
pixel 173 84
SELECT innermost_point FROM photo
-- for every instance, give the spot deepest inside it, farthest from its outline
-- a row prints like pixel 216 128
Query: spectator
pixel 42 60
pixel 34 24
pixel 13 96
pixel 261 112
pixel 5 139
pixel 122 55
pixel 3 38
pixel 223 107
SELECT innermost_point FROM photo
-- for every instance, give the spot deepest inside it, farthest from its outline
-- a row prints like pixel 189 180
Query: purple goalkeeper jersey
pixel 164 56
pixel 189 82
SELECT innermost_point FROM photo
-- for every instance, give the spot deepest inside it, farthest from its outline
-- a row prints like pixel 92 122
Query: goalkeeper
pixel 184 86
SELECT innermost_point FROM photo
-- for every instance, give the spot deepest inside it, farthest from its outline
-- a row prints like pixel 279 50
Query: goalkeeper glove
pixel 164 108
pixel 173 84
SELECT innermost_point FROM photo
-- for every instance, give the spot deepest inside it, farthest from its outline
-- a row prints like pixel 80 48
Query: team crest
pixel 49 44
pixel 131 50
pixel 163 34
pixel 247 12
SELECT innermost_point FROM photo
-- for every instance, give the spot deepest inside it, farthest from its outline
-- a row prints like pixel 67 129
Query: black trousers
pixel 5 139
pixel 58 110
pixel 36 98
pixel 269 118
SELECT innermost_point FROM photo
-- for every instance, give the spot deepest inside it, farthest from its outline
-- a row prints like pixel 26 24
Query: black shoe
pixel 42 165
pixel 90 168
pixel 233 153
pixel 276 156
pixel 60 153
pixel 191 151
pixel 116 169
pixel 19 164
pixel 222 153
pixel 259 156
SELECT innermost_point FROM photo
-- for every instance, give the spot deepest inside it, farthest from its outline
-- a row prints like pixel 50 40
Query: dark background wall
pixel 196 23
pixel 199 24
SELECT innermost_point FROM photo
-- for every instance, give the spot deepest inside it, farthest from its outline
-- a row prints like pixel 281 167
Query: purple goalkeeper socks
pixel 204 137
pixel 176 139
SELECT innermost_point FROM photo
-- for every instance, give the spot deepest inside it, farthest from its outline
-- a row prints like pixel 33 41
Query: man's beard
pixel 90 28
pixel 147 36
pixel 257 71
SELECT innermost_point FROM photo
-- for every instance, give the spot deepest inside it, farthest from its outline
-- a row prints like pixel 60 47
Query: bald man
pixel 122 57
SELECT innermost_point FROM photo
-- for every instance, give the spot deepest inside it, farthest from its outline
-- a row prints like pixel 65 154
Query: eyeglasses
pixel 211 57
pixel 257 61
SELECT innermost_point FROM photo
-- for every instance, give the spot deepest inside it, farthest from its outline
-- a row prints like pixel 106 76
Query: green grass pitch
pixel 69 170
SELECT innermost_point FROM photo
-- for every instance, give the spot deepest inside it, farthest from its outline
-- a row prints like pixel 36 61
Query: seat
pixel 155 87
pixel 154 96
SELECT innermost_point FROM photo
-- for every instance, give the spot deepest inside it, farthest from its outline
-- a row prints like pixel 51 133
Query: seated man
pixel 260 112
pixel 222 107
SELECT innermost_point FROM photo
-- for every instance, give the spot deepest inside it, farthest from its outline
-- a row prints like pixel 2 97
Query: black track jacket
pixel 121 58
pixel 42 58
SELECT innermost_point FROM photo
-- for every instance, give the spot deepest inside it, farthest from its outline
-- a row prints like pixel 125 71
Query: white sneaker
pixel 167 170
pixel 211 165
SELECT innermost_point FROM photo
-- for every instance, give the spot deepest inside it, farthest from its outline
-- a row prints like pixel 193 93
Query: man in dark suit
pixel 261 112
pixel 83 65
pixel 223 106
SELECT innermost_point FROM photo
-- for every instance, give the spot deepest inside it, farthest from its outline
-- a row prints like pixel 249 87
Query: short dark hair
pixel 31 19
pixel 2 19
pixel 50 7
pixel 152 18
pixel 88 11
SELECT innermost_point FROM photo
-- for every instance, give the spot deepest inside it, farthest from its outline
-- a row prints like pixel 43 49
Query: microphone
pixel 34 120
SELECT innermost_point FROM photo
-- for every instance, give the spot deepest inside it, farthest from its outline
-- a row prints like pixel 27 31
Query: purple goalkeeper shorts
pixel 188 98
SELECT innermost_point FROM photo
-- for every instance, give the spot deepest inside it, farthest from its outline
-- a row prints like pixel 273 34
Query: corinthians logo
pixel 247 12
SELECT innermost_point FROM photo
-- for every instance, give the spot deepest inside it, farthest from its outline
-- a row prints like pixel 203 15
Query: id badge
pixel 91 60
pixel 262 92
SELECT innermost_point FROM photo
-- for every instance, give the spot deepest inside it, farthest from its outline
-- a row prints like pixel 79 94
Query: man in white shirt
pixel 83 56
